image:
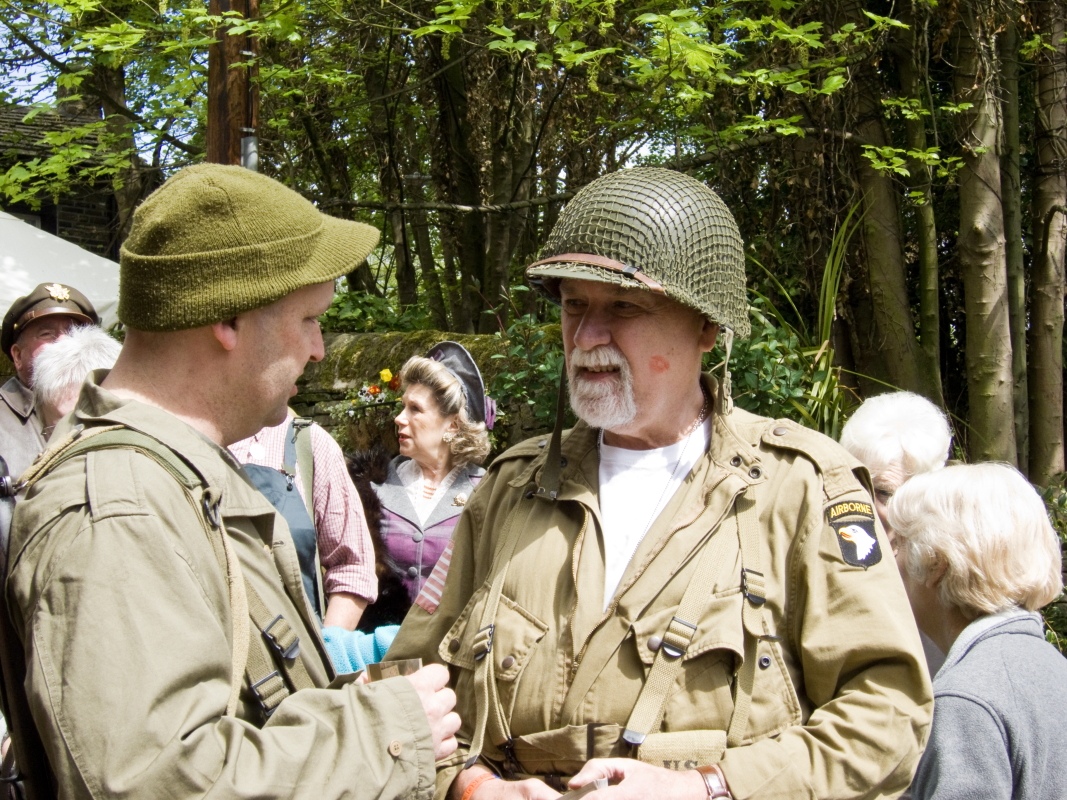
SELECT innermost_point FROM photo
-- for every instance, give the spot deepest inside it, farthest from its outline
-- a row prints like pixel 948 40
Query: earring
pixel 448 438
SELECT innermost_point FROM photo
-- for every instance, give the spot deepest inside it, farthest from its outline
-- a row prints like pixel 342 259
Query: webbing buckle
pixel 675 644
pixel 755 599
pixel 483 642
pixel 290 651
pixel 272 697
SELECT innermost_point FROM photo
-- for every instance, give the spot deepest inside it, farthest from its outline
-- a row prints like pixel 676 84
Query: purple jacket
pixel 413 549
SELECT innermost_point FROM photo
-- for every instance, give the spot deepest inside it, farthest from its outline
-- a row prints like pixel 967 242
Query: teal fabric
pixel 352 651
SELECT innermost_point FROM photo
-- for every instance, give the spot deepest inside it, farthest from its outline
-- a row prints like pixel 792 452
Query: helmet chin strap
pixel 727 388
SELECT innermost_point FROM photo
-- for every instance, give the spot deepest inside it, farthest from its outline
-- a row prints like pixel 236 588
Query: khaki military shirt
pixel 841 702
pixel 21 438
pixel 124 613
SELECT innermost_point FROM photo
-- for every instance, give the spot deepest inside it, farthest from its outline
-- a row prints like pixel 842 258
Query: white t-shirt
pixel 635 485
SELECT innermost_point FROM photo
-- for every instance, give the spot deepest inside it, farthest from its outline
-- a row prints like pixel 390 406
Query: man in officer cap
pixel 676 596
pixel 39 318
pixel 170 649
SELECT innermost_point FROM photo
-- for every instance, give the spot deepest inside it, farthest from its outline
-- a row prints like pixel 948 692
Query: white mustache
pixel 600 357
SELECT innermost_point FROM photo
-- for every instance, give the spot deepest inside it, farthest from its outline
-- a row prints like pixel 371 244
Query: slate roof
pixel 24 139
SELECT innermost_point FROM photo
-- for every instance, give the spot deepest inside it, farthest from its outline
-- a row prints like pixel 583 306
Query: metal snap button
pixel 417 536
pixel 413 572
pixel 755 472
pixel 508 662
pixel 781 431
pixel 735 461
pixel 395 748
pixel 654 642
pixel 764 662
pixel 453 646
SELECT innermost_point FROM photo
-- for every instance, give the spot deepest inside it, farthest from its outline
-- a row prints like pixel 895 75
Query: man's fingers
pixel 611 768
pixel 429 678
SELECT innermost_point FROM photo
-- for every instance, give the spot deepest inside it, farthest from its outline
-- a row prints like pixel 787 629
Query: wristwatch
pixel 716 782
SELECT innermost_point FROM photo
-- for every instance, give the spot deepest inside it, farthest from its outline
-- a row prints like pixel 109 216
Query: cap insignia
pixel 58 292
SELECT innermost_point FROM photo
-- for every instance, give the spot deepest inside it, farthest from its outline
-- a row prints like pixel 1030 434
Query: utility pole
pixel 233 93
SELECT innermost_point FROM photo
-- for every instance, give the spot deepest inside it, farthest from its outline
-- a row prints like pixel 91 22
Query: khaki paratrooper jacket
pixel 840 699
pixel 124 613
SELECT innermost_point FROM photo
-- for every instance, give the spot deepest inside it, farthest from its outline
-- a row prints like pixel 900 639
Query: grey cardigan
pixel 1000 707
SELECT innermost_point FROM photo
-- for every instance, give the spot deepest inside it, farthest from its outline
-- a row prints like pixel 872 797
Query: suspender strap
pixel 647 714
pixel 755 590
pixel 489 711
pixel 488 703
pixel 274 667
pixel 250 639
pixel 305 460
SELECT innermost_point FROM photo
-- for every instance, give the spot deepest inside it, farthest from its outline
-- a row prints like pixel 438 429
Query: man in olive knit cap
pixel 170 650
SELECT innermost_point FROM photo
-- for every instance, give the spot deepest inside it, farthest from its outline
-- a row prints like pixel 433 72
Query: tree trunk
pixel 1011 194
pixel 457 179
pixel 982 256
pixel 920 181
pixel 884 246
pixel 1050 225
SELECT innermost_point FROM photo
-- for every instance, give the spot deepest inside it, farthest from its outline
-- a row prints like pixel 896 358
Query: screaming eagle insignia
pixel 58 292
pixel 853 522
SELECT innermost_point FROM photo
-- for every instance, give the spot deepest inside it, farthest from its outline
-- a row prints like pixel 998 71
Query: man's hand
pixel 638 781
pixel 530 789
pixel 438 701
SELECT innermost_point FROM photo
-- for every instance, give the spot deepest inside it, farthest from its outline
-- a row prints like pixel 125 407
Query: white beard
pixel 601 405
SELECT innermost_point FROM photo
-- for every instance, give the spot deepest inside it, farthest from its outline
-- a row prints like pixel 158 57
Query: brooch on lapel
pixel 460 500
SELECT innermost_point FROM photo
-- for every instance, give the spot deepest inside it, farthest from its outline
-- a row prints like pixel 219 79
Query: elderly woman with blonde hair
pixel 978 558
pixel 441 429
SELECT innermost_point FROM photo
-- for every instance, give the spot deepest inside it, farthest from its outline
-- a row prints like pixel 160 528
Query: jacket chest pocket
pixel 514 635
pixel 702 696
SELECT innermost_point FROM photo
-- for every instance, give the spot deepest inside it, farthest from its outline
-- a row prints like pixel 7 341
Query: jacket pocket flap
pixel 719 628
pixel 515 632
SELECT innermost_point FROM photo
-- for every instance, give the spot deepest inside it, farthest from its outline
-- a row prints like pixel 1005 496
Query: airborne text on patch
pixel 851 508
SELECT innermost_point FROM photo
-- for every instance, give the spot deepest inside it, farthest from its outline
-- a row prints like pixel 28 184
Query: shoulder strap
pixel 251 621
pixel 305 461
pixel 647 714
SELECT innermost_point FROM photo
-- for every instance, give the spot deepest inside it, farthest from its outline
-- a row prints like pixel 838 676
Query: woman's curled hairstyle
pixel 471 442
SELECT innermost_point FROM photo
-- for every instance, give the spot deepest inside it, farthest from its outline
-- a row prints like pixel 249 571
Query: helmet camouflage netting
pixel 655 229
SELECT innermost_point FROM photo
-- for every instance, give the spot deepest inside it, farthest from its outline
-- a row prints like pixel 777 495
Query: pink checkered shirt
pixel 345 548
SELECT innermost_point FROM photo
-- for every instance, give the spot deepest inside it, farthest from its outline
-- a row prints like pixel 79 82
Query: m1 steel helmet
pixel 652 229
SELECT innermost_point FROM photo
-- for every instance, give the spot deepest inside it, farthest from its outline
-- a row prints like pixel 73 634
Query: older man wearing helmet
pixel 675 597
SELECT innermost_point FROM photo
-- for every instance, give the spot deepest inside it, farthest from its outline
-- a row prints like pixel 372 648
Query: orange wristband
pixel 469 791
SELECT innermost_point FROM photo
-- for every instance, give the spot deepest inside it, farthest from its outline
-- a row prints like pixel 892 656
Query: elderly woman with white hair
pixel 978 558
pixel 896 436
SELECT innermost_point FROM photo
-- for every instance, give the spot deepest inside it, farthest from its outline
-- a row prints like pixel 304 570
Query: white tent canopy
pixel 29 256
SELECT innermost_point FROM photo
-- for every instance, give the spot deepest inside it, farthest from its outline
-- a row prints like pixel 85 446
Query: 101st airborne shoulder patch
pixel 853 522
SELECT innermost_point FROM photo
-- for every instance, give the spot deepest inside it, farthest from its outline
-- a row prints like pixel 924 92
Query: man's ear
pixel 16 357
pixel 708 336
pixel 226 333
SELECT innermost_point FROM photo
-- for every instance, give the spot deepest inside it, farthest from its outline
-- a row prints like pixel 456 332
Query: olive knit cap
pixel 215 241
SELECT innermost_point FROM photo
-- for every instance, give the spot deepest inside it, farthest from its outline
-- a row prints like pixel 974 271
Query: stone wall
pixel 355 359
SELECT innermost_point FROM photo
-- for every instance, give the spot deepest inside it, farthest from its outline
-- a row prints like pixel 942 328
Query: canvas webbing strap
pixel 273 631
pixel 305 460
pixel 647 714
pixel 755 590
pixel 249 638
pixel 488 703
pixel 488 706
